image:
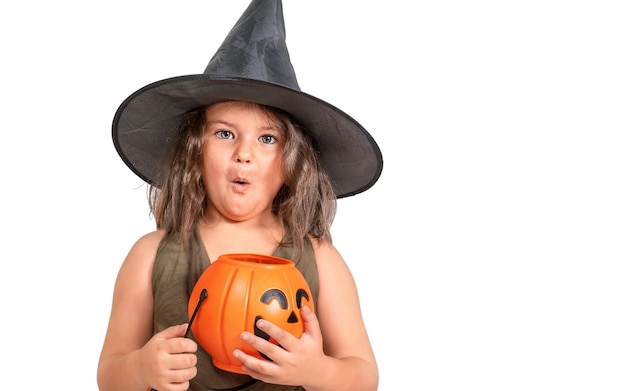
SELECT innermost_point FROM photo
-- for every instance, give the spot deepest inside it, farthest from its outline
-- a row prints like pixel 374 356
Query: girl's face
pixel 243 155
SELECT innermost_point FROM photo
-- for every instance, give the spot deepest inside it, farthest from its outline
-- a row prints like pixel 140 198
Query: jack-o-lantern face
pixel 273 297
pixel 241 289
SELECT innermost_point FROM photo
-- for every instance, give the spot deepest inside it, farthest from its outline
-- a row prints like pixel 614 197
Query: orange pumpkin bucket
pixel 234 292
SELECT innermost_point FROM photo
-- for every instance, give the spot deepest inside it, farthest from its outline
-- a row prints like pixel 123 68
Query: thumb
pixel 173 331
pixel 311 323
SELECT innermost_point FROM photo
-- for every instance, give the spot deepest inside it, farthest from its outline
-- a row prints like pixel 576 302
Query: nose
pixel 243 158
pixel 243 154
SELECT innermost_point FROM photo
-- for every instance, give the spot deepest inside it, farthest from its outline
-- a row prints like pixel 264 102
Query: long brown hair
pixel 305 204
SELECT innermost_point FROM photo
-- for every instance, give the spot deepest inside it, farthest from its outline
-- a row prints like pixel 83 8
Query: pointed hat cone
pixel 256 48
pixel 252 64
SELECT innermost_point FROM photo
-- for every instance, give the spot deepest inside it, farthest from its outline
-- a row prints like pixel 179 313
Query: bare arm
pixel 131 358
pixel 351 364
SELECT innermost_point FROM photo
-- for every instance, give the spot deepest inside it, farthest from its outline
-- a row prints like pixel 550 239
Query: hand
pixel 299 360
pixel 168 360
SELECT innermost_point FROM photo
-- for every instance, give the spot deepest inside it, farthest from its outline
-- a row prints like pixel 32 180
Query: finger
pixel 183 361
pixel 268 350
pixel 172 331
pixel 281 336
pixel 174 386
pixel 183 374
pixel 311 323
pixel 254 366
pixel 182 345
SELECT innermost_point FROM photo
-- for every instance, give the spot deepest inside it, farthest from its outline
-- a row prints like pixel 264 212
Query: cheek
pixel 273 173
pixel 214 159
pixel 209 170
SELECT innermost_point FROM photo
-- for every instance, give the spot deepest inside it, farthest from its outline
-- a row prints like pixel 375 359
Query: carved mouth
pixel 262 334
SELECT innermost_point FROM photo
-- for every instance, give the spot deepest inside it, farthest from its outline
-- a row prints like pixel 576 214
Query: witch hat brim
pixel 251 65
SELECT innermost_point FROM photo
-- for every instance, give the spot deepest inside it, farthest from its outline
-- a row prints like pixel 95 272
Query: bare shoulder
pixel 330 264
pixel 140 258
pixel 324 249
pixel 149 241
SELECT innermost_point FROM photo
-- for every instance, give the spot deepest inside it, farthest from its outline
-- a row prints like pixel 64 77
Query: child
pixel 239 160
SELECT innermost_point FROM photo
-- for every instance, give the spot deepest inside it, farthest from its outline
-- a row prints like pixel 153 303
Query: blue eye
pixel 268 139
pixel 224 134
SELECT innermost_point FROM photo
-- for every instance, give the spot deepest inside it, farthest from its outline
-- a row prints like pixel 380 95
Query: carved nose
pixel 292 318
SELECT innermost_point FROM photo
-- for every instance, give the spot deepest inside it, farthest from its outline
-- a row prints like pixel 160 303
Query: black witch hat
pixel 252 65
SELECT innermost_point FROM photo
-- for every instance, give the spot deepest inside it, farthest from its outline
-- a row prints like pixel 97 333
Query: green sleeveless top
pixel 174 277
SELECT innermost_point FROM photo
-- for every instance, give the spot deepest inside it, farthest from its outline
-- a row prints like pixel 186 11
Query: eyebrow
pixel 219 121
pixel 232 125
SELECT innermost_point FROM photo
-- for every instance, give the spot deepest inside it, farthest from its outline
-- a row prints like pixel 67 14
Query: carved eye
pixel 299 295
pixel 278 295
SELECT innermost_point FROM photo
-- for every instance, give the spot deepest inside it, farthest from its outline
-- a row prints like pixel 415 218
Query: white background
pixel 489 256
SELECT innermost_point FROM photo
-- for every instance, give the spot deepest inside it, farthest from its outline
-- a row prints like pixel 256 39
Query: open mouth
pixel 240 184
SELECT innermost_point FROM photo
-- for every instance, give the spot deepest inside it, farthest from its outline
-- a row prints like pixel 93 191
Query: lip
pixel 240 184
pixel 240 181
